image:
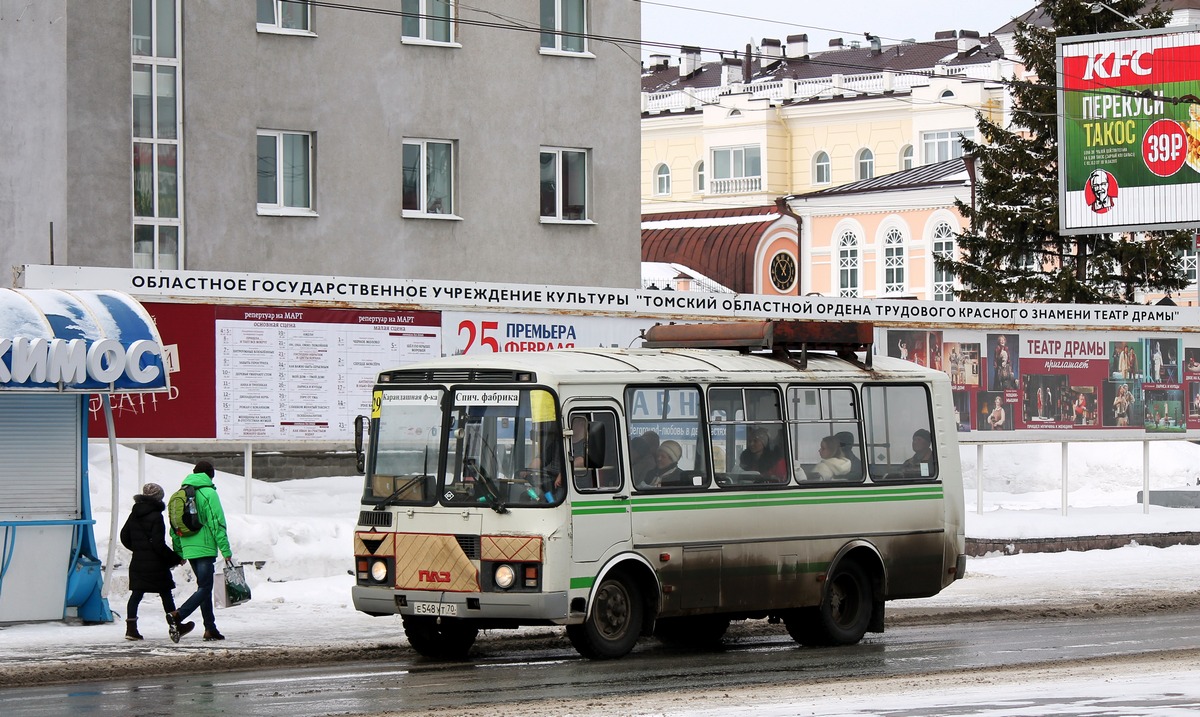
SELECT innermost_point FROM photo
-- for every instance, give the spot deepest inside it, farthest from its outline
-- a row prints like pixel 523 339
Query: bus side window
pixel 595 456
pixel 899 437
pixel 823 425
pixel 666 425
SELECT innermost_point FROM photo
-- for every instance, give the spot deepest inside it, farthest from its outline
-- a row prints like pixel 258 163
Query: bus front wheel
pixel 844 614
pixel 441 638
pixel 612 627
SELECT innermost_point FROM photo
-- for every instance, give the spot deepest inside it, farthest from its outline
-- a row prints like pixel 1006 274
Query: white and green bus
pixel 767 470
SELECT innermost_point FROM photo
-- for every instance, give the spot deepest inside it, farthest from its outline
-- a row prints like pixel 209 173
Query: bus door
pixel 600 506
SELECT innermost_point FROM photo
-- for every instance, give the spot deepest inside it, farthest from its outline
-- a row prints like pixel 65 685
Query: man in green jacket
pixel 201 548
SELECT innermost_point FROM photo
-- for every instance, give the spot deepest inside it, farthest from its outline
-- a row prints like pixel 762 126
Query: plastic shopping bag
pixel 230 588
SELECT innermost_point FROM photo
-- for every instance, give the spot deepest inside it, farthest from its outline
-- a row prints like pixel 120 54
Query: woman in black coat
pixel 150 570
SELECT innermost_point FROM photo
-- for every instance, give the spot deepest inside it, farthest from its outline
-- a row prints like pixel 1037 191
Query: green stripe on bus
pixel 607 510
pixel 725 497
pixel 761 501
pixel 586 582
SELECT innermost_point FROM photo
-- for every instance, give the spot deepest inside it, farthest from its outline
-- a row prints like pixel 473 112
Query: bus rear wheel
pixel 441 638
pixel 612 627
pixel 844 614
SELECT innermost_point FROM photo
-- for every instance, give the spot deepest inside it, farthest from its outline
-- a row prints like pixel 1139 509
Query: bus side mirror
pixel 360 459
pixel 596 440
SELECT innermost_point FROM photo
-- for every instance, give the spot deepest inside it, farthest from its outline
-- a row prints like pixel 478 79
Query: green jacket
pixel 212 537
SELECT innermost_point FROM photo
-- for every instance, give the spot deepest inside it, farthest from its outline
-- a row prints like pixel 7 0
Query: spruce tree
pixel 1012 250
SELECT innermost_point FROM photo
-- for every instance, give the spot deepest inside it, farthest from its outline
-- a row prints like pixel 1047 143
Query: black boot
pixel 131 632
pixel 177 629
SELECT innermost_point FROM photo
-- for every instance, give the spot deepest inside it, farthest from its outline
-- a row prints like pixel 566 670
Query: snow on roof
pixel 709 221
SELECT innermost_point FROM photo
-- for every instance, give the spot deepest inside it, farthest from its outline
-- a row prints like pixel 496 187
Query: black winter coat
pixel 145 534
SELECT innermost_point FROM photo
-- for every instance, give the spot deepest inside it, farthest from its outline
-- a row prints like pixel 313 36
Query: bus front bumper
pixel 488 606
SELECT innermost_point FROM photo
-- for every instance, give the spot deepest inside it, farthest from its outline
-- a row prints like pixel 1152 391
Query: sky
pixel 300 531
pixel 682 22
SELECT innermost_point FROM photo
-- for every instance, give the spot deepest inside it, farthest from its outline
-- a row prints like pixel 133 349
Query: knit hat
pixel 153 490
pixel 204 467
pixel 672 449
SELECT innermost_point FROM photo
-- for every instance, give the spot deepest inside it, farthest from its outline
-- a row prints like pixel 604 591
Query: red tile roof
pixel 720 250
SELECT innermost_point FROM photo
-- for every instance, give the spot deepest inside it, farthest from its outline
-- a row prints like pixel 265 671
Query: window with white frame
pixel 429 20
pixel 736 169
pixel 822 169
pixel 848 264
pixel 943 246
pixel 564 184
pixel 699 178
pixel 428 166
pixel 564 25
pixel 662 180
pixel 285 16
pixel 156 133
pixel 906 157
pixel 895 261
pixel 866 164
pixel 1187 261
pixel 285 172
pixel 940 145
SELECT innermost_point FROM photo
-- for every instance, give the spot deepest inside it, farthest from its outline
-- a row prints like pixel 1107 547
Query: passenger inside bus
pixel 642 450
pixel 922 461
pixel 666 470
pixel 847 440
pixel 833 464
pixel 761 456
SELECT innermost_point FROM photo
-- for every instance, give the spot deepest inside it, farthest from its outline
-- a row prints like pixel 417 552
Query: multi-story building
pixel 494 141
pixel 862 137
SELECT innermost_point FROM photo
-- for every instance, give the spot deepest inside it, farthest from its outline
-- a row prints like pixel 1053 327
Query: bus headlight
pixel 379 571
pixel 505 576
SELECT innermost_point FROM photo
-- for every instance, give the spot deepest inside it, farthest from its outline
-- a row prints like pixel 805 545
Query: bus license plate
pixel 433 608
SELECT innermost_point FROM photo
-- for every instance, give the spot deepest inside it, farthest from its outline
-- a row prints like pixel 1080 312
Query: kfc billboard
pixel 1129 131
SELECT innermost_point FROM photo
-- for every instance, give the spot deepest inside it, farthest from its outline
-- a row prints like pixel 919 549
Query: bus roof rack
pixel 781 338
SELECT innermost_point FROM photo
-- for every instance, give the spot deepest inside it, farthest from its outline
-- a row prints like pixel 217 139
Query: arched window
pixel 848 264
pixel 699 172
pixel 906 157
pixel 866 164
pixel 822 171
pixel 662 180
pixel 943 246
pixel 895 261
pixel 947 94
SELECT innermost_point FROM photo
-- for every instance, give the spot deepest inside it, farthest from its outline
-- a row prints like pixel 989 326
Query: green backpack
pixel 182 512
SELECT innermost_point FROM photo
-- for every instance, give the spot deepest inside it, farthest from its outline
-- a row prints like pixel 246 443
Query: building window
pixel 866 164
pixel 156 134
pixel 285 172
pixel 737 170
pixel 1188 261
pixel 848 264
pixel 822 169
pixel 428 177
pixel 944 144
pixel 894 261
pixel 564 24
pixel 564 179
pixel 662 180
pixel 284 15
pixel 943 246
pixel 430 20
pixel 700 176
pixel 906 157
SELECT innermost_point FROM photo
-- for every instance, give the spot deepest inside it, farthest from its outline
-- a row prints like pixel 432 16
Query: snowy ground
pixel 301 531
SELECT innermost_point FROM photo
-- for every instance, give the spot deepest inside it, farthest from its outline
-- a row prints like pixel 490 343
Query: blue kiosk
pixel 56 349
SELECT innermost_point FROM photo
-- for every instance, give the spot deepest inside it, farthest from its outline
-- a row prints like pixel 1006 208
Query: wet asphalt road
pixel 530 675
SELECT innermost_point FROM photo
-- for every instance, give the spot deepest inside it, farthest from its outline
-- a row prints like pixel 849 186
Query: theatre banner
pixel 1062 381
pixel 1129 131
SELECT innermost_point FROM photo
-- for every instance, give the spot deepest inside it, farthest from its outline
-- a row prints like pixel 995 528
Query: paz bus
pixel 720 472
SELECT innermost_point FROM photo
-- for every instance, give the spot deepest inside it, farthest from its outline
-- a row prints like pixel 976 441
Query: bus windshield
pixel 496 447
